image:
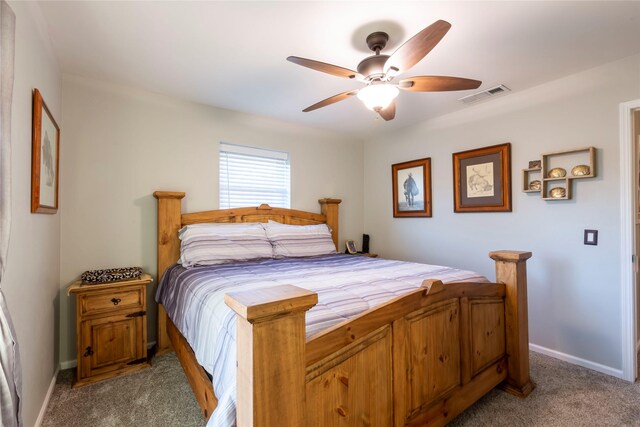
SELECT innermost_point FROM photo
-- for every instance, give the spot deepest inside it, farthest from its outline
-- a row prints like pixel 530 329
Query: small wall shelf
pixel 566 159
pixel 551 183
pixel 527 178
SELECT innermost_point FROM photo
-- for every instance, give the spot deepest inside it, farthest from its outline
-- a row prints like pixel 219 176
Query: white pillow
pixel 299 240
pixel 217 243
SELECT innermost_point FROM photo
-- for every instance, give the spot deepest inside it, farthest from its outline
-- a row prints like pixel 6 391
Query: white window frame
pixel 235 190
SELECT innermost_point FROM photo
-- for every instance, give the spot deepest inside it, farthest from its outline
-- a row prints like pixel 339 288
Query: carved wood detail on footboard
pixel 435 341
pixel 353 387
pixel 419 359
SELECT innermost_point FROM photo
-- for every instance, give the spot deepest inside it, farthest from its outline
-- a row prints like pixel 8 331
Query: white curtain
pixel 10 380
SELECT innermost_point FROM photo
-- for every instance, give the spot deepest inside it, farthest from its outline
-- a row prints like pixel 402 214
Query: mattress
pixel 346 285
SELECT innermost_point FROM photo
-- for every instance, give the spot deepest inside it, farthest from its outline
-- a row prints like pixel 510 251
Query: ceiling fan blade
pixel 390 112
pixel 325 68
pixel 416 48
pixel 437 83
pixel 331 100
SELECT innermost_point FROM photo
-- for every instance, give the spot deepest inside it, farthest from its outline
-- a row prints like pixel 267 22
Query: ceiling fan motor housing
pixel 373 67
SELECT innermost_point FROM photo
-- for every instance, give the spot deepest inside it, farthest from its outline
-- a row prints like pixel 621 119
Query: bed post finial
pixel 169 222
pixel 271 355
pixel 511 269
pixel 329 208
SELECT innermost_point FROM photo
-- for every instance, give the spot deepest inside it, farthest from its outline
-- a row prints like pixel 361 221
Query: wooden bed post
pixel 329 208
pixel 511 269
pixel 271 355
pixel 169 222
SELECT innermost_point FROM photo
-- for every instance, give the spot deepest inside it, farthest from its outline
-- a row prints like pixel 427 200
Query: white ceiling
pixel 232 54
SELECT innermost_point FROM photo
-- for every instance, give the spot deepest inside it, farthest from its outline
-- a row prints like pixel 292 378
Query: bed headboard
pixel 171 219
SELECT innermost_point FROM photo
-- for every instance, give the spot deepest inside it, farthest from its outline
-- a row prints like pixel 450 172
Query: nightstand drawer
pixel 94 303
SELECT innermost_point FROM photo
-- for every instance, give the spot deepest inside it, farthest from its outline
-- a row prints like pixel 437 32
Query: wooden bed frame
pixel 419 359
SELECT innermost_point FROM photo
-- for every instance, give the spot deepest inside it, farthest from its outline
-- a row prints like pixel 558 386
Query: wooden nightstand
pixel 111 325
pixel 367 254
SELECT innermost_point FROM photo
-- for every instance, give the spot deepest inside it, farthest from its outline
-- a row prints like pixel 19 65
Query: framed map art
pixel 482 179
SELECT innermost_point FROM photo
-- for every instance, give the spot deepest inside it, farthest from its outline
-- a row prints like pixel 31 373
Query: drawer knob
pixel 115 301
pixel 88 352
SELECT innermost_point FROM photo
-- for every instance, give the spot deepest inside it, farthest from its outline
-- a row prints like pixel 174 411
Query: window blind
pixel 251 176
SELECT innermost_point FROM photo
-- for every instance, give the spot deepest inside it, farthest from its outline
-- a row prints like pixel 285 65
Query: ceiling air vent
pixel 487 93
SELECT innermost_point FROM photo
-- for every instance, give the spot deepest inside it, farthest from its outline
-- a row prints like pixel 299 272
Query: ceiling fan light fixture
pixel 377 71
pixel 377 97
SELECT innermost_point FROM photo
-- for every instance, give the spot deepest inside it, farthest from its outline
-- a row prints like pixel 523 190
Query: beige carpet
pixel 566 395
pixel 159 396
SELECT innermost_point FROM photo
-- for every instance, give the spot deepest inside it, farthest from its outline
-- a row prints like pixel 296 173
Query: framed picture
pixel 482 179
pixel 412 188
pixel 45 158
pixel 351 247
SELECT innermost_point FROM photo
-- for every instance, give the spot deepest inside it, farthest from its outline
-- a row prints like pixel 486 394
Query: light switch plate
pixel 591 237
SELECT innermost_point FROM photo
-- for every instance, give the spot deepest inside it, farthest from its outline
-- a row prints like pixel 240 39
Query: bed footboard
pixel 419 359
pixel 511 269
pixel 271 355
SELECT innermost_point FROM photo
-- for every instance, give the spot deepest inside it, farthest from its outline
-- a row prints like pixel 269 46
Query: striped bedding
pixel 210 244
pixel 347 285
pixel 299 240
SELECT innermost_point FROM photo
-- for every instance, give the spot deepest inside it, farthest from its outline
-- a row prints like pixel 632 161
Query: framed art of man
pixel 412 188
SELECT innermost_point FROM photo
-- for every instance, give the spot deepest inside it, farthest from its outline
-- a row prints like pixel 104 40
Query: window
pixel 251 176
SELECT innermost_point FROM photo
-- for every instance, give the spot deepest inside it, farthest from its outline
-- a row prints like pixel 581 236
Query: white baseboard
pixel 68 364
pixel 47 397
pixel 73 363
pixel 577 361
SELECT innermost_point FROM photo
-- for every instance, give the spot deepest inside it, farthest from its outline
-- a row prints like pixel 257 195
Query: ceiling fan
pixel 377 72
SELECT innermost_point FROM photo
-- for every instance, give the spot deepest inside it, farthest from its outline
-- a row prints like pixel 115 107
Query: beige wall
pixel 574 290
pixel 121 144
pixel 32 277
